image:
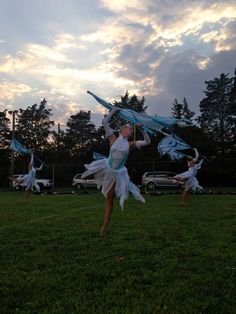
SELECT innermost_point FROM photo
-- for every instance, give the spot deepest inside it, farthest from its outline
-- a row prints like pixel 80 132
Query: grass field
pixel 156 258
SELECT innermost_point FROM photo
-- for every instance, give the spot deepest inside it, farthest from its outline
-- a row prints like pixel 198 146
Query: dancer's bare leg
pixel 108 210
pixel 184 197
pixel 27 193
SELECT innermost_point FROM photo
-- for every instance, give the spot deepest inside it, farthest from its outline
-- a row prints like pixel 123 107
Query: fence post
pixel 53 177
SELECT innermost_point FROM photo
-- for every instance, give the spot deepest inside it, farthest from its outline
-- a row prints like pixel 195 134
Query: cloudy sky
pixel 161 49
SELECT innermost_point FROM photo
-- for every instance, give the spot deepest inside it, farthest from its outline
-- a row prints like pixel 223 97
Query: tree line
pixel 213 133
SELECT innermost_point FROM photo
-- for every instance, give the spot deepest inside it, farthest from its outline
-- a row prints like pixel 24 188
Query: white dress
pixel 112 170
pixel 191 182
pixel 30 181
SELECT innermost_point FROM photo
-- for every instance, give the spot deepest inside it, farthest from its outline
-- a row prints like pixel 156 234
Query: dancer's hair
pixel 126 126
pixel 188 158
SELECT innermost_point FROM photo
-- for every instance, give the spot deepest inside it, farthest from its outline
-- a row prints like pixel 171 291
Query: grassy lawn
pixel 156 258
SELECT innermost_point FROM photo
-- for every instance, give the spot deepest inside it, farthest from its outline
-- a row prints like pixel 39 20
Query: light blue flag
pixel 149 123
pixel 126 114
pixel 171 145
pixel 97 156
pixel 21 149
pixel 18 147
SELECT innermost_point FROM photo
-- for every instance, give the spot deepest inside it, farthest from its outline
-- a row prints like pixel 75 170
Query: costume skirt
pixel 30 182
pixel 106 177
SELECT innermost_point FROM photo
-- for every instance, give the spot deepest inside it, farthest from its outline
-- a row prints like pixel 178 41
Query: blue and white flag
pixel 18 147
pixel 171 145
pixel 149 123
pixel 97 156
pixel 21 149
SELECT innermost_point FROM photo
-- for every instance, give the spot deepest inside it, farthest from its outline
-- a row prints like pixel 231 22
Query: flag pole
pixel 12 167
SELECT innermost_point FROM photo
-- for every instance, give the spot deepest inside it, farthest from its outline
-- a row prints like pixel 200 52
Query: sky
pixel 162 50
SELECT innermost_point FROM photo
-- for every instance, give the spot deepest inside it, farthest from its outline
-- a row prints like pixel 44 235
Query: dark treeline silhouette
pixel 213 133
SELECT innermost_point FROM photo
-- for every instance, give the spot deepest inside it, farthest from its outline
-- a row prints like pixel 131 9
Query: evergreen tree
pixel 187 113
pixel 4 130
pixel 233 111
pixel 80 134
pixel 182 110
pixel 34 126
pixel 127 102
pixel 216 118
pixel 177 109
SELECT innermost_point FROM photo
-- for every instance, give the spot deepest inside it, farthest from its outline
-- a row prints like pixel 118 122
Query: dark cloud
pixel 180 77
pixel 137 59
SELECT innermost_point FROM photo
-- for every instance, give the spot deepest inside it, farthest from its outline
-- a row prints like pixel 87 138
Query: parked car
pixel 154 179
pixel 81 184
pixel 44 184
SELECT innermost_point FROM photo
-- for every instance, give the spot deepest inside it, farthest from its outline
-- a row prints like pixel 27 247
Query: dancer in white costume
pixel 29 180
pixel 110 173
pixel 189 177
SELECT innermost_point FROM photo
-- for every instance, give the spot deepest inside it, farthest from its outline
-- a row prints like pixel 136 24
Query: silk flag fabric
pixel 18 147
pixel 171 144
pixel 150 124
pixel 21 149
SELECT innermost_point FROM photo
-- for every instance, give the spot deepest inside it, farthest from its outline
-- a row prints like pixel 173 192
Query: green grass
pixel 156 258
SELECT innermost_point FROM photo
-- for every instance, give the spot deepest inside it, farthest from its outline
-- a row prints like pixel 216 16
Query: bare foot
pixel 103 232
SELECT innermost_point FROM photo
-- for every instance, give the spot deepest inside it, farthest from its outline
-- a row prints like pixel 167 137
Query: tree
pixel 33 126
pixel 177 109
pixel 4 130
pixel 4 146
pixel 233 108
pixel 190 134
pixel 216 119
pixel 187 113
pixel 127 102
pixel 80 133
pixel 182 111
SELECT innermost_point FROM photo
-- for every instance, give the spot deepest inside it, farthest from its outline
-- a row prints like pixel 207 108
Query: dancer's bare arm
pixel 144 142
pixel 109 131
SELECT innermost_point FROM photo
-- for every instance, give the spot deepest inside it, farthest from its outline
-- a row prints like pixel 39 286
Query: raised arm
pixel 196 155
pixel 199 165
pixel 31 160
pixel 39 168
pixel 109 131
pixel 146 141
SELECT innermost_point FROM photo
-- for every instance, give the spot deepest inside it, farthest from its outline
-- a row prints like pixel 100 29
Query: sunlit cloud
pixel 203 63
pixel 157 49
pixel 8 90
pixel 101 110
pixel 121 5
pixel 166 29
pixel 222 39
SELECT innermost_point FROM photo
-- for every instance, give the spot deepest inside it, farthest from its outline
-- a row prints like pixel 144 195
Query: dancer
pixel 110 173
pixel 29 180
pixel 189 177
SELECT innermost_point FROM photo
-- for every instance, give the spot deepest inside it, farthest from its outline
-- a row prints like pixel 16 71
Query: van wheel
pixel 151 185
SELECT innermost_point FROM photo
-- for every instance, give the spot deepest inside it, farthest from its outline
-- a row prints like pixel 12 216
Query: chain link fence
pixel 215 173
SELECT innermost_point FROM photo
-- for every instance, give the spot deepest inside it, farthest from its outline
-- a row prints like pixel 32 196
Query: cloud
pixel 160 49
pixel 167 24
pixel 224 38
pixel 9 90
